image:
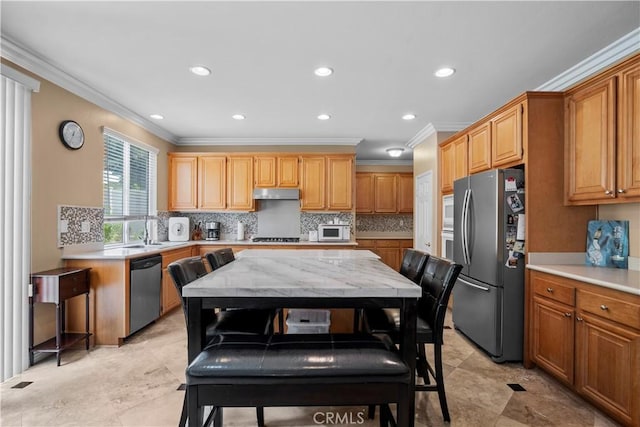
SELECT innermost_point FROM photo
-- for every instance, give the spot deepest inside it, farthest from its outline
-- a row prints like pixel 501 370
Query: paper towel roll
pixel 240 234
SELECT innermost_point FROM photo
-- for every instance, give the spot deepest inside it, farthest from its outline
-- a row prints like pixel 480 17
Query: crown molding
pixel 269 141
pixel 28 60
pixel 384 162
pixel 432 128
pixel 603 58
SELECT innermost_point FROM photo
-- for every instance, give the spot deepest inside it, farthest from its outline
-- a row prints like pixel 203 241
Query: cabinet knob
pixel 550 290
pixel 604 307
pixel 567 315
pixel 579 319
pixel 621 190
pixel 608 193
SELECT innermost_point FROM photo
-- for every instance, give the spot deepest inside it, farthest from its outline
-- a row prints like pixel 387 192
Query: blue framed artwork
pixel 608 244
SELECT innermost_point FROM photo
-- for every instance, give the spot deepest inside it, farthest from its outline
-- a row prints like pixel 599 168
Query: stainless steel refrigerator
pixel 488 298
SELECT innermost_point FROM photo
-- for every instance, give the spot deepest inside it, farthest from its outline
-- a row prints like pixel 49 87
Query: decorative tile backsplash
pixel 385 223
pixel 70 225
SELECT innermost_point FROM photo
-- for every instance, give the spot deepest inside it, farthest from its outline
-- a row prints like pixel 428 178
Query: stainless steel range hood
pixel 276 194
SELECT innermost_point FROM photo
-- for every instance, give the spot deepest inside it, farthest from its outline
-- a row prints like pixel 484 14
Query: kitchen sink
pixel 141 246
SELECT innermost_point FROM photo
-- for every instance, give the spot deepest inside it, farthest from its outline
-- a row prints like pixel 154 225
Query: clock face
pixel 71 134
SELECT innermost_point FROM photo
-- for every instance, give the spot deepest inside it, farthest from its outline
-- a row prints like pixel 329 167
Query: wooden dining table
pixel 280 278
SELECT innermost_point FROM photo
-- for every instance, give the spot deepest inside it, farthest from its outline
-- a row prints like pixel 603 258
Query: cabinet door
pixel 312 192
pixel 628 184
pixel 183 173
pixel 390 256
pixel 340 183
pixel 480 148
pixel 460 158
pixel 385 188
pixel 553 337
pixel 170 296
pixel 590 143
pixel 240 183
pixel 364 193
pixel 506 137
pixel 608 365
pixel 287 172
pixel 265 171
pixel 446 168
pixel 405 193
pixel 211 182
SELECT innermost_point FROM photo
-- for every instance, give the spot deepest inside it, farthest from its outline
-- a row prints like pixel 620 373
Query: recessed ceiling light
pixel 238 117
pixel 395 152
pixel 409 116
pixel 324 117
pixel 323 71
pixel 200 70
pixel 444 72
pixel 156 116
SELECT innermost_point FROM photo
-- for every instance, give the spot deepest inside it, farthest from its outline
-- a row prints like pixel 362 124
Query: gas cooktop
pixel 277 239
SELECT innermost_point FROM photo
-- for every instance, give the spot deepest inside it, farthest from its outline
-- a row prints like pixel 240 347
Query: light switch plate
pixel 64 226
pixel 86 227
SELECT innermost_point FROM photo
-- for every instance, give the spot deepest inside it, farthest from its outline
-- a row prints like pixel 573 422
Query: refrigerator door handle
pixel 473 285
pixel 465 227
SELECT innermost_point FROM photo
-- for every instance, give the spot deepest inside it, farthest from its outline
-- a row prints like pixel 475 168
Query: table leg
pixel 195 328
pixel 86 320
pixel 58 332
pixel 408 318
pixel 31 326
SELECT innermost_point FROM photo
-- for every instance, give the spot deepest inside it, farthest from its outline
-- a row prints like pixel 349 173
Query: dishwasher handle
pixel 143 263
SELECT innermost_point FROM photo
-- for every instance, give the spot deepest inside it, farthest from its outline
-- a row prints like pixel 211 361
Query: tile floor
pixel 136 385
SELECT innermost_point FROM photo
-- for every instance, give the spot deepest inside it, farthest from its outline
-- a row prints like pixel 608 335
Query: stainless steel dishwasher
pixel 145 284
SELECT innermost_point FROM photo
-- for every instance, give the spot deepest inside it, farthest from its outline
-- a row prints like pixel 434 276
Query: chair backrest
pixel 219 258
pixel 413 263
pixel 437 281
pixel 185 271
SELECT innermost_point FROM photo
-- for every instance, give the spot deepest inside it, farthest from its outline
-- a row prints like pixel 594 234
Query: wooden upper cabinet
pixel 240 183
pixel 447 167
pixel 628 184
pixel 340 182
pixel 183 177
pixel 312 191
pixel 386 193
pixel 364 193
pixel 480 148
pixel 590 142
pixel 265 171
pixel 506 137
pixel 461 158
pixel 212 182
pixel 405 193
pixel 287 172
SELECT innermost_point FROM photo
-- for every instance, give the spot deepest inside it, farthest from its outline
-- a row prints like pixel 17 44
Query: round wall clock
pixel 71 134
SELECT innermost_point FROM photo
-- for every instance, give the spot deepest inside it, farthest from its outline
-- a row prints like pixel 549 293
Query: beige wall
pixel 630 212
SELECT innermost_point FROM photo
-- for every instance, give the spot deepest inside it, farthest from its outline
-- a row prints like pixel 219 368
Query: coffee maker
pixel 213 230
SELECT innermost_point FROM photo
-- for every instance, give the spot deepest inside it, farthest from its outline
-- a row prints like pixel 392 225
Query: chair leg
pixel 372 411
pixel 260 416
pixel 183 415
pixel 280 321
pixel 422 364
pixel 384 422
pixel 196 414
pixel 440 382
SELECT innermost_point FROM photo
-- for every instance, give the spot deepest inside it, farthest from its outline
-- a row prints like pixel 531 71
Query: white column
pixel 15 215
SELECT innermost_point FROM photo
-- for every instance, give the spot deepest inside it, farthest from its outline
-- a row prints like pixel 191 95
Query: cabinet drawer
pixel 74 284
pixel 623 312
pixel 171 256
pixel 548 287
pixel 406 243
pixel 388 243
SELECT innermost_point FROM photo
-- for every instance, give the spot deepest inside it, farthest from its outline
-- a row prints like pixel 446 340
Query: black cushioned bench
pixel 295 370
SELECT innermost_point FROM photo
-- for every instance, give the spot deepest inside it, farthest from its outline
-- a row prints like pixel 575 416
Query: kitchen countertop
pixel 613 278
pixel 122 253
pixel 308 253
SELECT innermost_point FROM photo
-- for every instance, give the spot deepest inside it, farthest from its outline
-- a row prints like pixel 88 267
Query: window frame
pixel 152 209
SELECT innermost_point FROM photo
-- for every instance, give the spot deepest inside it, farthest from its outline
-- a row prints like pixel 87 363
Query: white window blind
pixel 129 187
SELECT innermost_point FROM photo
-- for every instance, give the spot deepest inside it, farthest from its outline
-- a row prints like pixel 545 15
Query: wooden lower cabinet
pixel 170 297
pixel 390 251
pixel 588 337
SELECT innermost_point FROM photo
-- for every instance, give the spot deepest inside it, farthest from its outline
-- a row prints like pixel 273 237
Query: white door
pixel 422 231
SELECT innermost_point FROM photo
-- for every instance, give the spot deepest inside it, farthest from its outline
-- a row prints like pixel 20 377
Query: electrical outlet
pixel 86 227
pixel 401 223
pixel 64 226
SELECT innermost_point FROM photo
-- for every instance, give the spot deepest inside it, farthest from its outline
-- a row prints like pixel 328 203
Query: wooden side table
pixel 56 286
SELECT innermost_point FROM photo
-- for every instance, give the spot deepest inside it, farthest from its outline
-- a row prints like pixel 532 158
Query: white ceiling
pixel 263 54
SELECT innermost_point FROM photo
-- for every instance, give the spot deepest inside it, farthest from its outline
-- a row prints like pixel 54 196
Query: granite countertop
pixel 302 277
pixel 136 251
pixel 567 266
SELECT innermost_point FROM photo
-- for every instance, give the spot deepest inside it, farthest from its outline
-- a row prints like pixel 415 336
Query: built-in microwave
pixel 334 232
pixel 447 212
